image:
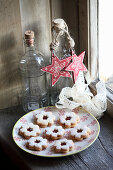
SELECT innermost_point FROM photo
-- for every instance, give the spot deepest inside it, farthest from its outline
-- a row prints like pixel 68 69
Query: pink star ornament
pixel 57 68
pixel 77 65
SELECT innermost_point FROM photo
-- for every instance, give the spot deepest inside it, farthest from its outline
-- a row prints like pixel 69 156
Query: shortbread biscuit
pixel 80 132
pixel 63 146
pixel 44 119
pixel 69 120
pixel 29 130
pixel 37 143
pixel 54 132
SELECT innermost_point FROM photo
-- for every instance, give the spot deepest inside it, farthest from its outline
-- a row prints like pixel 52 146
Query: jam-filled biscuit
pixel 54 132
pixel 69 120
pixel 37 143
pixel 44 119
pixel 29 130
pixel 80 132
pixel 63 146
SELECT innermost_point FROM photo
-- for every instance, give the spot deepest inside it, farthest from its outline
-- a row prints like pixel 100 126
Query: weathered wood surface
pixel 15 17
pixel 99 156
pixel 10 50
pixel 84 28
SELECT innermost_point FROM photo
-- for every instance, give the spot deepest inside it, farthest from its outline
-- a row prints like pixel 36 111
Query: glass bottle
pixel 35 91
pixel 61 52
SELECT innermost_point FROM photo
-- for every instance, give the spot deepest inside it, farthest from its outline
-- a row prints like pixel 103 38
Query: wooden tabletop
pixel 99 156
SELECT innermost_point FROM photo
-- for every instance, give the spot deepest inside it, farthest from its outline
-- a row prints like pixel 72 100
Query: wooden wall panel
pixel 84 28
pixel 10 50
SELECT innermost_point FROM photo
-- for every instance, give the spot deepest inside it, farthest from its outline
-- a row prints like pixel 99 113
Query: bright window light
pixel 106 41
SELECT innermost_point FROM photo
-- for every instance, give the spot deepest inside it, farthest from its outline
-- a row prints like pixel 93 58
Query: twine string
pixel 58 29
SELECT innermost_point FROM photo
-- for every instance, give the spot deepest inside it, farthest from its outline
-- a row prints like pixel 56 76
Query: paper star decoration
pixel 57 68
pixel 77 64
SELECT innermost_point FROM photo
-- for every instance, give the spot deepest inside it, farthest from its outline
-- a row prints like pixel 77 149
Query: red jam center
pixel 45 117
pixel 68 118
pixel 63 143
pixel 29 129
pixel 55 131
pixel 37 141
pixel 79 130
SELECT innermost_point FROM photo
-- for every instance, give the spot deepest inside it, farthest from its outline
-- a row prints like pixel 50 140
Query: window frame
pixel 88 40
pixel 88 34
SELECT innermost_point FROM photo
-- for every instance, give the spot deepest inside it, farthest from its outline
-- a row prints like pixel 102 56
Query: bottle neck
pixel 29 48
pixel 29 45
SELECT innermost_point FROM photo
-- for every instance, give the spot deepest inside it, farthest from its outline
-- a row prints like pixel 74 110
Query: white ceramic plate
pixel 85 119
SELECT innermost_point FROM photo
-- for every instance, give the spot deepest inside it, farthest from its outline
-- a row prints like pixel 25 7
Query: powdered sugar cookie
pixel 63 146
pixel 37 143
pixel 69 120
pixel 80 132
pixel 29 130
pixel 54 132
pixel 44 119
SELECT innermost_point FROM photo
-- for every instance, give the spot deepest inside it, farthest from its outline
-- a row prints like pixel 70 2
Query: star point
pixel 77 64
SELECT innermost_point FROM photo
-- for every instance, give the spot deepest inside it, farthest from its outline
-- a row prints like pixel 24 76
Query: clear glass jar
pixel 35 91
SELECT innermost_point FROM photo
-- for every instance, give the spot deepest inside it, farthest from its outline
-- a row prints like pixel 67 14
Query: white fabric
pixel 82 96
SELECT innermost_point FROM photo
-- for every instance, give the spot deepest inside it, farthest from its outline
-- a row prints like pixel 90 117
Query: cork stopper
pixel 29 38
pixel 29 34
pixel 59 23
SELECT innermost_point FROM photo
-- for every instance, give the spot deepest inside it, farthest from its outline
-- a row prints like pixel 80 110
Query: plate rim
pixel 50 156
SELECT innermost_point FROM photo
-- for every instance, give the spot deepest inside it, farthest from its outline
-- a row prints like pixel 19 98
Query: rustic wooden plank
pixel 10 49
pixel 68 11
pixel 96 157
pixel 106 135
pixel 84 28
pixel 110 105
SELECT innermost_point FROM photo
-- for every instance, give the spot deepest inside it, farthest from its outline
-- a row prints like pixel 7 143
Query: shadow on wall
pixel 9 66
pixel 8 60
